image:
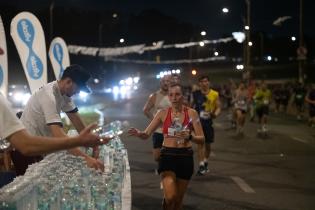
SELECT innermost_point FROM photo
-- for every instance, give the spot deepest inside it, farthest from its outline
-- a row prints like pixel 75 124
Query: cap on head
pixel 78 75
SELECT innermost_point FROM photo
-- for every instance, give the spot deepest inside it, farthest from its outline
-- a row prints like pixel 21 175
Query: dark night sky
pixel 205 13
pixel 77 21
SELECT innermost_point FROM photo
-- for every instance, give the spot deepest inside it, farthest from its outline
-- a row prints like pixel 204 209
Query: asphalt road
pixel 253 172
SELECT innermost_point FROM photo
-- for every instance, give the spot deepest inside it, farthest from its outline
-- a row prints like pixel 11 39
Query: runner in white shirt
pixel 12 130
pixel 41 115
pixel 240 107
pixel 157 101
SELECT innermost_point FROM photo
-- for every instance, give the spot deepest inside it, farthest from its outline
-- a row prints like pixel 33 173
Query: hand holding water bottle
pixel 89 138
pixel 184 133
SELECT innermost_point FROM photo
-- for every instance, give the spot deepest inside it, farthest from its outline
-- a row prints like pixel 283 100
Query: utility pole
pixel 50 72
pixel 247 47
pixel 301 50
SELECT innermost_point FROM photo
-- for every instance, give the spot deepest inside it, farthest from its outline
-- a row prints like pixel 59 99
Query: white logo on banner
pixel 59 56
pixel 28 37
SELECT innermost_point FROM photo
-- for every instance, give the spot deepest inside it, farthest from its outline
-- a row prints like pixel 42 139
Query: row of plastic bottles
pixel 63 181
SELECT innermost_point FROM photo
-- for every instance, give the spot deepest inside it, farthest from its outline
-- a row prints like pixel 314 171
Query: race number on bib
pixel 205 115
pixel 171 131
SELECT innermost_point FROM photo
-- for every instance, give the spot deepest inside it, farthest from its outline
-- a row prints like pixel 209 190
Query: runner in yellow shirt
pixel 262 99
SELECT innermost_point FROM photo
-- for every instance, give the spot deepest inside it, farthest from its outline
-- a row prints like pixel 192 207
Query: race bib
pixel 171 131
pixel 205 115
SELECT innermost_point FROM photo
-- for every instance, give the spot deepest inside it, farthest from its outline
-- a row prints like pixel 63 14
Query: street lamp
pixel 250 43
pixel 203 33
pixel 216 53
pixel 201 44
pixel 121 40
pixel 293 38
pixel 225 10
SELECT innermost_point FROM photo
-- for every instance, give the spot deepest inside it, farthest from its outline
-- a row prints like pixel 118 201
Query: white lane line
pixel 300 140
pixel 242 184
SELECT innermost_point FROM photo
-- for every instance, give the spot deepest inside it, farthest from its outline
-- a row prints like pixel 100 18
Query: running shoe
pixel 201 171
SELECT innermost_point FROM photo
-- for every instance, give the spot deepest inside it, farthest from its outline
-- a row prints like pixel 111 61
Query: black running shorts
pixel 178 160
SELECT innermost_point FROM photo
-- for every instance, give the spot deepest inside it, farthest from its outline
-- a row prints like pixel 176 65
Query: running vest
pixel 168 120
pixel 241 100
pixel 161 102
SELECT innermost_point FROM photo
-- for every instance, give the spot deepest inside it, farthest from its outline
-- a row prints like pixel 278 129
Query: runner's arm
pixel 198 136
pixel 149 105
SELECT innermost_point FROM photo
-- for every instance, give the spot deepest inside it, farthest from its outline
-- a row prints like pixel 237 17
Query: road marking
pixel 300 140
pixel 242 184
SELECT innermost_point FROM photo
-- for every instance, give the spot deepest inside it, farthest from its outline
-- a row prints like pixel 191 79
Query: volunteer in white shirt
pixel 41 115
pixel 12 130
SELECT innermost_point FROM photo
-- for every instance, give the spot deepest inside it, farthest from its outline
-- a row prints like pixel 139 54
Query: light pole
pixel 51 16
pixel 50 73
pixel 248 43
pixel 301 49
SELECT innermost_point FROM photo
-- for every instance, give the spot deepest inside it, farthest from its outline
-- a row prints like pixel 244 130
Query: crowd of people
pixel 179 117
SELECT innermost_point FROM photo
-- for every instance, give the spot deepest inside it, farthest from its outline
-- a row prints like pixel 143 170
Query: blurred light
pixel 135 87
pixel 115 89
pixel 203 33
pixel 136 79
pixel 177 71
pixel 239 36
pixel 269 58
pixel 194 72
pixel 154 43
pixel 169 72
pixel 165 73
pixel 246 28
pixel 13 86
pixel 10 94
pixel 158 76
pixel 250 44
pixel 201 44
pixel 225 10
pixel 123 90
pixel 122 82
pixel 216 53
pixel 129 81
pixel 96 81
pixel 276 59
pixel 121 40
pixel 240 67
pixel 173 71
pixel 18 96
pixel 108 90
pixel 83 95
pixel 293 38
pixel 115 15
pixel 26 97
